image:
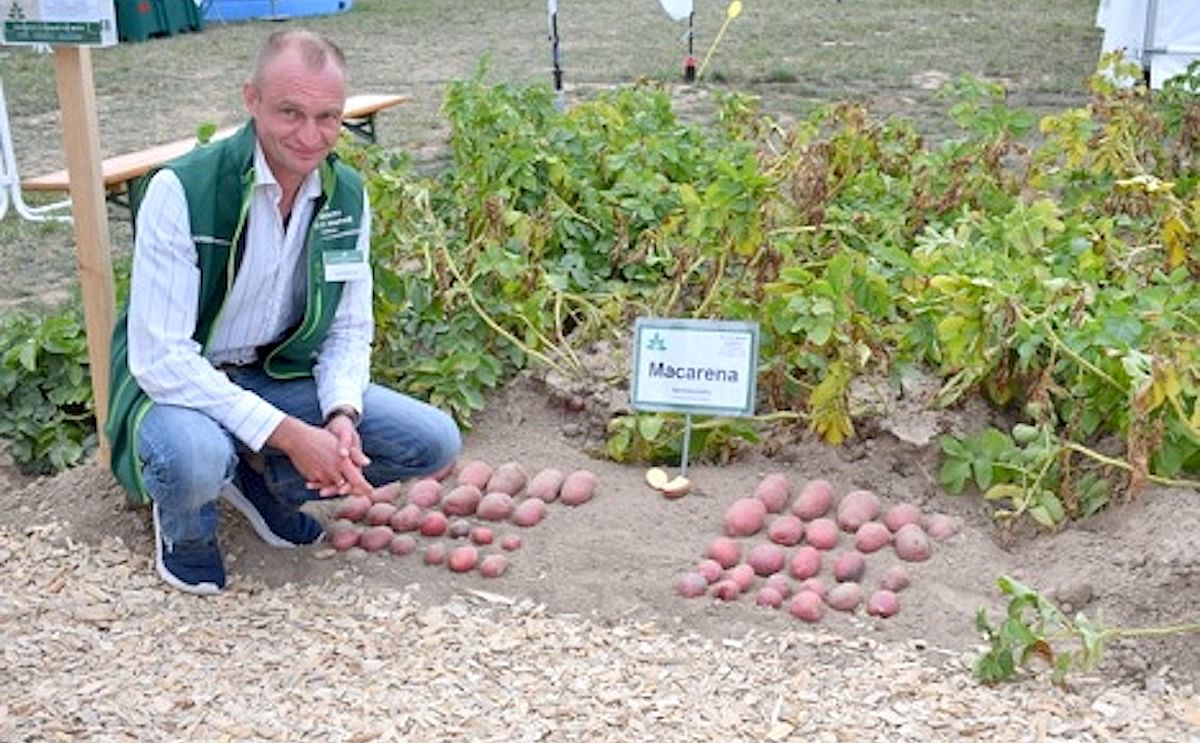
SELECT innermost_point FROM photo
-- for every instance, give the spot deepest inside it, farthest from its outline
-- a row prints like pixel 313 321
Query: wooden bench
pixel 120 171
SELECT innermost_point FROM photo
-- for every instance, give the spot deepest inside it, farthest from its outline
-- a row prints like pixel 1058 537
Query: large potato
pixel 725 551
pixel 857 508
pixel 578 488
pixel 546 485
pixel 424 493
pixel 786 530
pixel 495 506
pixel 462 501
pixel 766 558
pixel 774 490
pixel 822 533
pixel 871 537
pixel 476 472
pixel 508 478
pixel 912 544
pixel 814 500
pixel 745 517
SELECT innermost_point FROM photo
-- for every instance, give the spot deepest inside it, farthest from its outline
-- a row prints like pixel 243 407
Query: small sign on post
pixel 67 22
pixel 706 367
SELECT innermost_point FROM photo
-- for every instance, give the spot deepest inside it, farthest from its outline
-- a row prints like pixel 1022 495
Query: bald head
pixel 314 50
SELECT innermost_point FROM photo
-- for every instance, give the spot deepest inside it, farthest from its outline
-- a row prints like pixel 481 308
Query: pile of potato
pixel 459 524
pixel 810 551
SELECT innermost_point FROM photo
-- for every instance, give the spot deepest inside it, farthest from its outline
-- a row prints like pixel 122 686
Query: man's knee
pixel 185 451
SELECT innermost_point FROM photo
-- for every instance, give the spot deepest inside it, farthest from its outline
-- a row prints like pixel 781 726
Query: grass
pixel 792 54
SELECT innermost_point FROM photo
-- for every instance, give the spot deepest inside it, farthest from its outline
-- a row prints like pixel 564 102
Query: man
pixel 243 356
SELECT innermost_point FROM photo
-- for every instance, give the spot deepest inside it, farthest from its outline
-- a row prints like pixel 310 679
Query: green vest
pixel 218 180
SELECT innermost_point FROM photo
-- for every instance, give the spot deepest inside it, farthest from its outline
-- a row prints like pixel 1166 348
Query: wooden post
pixel 81 142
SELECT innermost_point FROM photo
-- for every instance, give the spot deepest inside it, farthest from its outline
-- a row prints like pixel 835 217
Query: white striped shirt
pixel 266 300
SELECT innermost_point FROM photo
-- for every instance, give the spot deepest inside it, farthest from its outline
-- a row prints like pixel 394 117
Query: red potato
pixel 386 493
pixel 462 501
pixel 814 584
pixel 872 537
pixel 495 506
pixel 942 526
pixel 462 559
pixel 343 538
pixel 901 514
pixel 725 551
pixel 710 569
pixel 787 530
pixel 895 579
pixel 493 566
pixel 774 490
pixel 458 528
pixel 745 517
pixel 380 513
pixel 857 508
pixel 376 538
pixel 482 535
pixel 726 590
pixel 508 478
pixel 806 562
pixel 766 558
pixel 912 544
pixel 444 472
pixel 844 596
pixel 476 472
pixel 807 606
pixel 529 512
pixel 691 585
pixel 578 488
pixel 425 493
pixel 407 518
pixel 822 534
pixel 353 508
pixel 433 524
pixel 883 603
pixel 849 566
pixel 768 596
pixel 403 544
pixel 780 583
pixel 510 542
pixel 546 485
pixel 435 553
pixel 742 575
pixel 814 500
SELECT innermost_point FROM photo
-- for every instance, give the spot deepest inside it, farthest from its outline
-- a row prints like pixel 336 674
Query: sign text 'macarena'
pixel 693 373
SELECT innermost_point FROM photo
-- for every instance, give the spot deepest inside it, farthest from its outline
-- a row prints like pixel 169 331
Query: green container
pixel 138 20
pixel 179 16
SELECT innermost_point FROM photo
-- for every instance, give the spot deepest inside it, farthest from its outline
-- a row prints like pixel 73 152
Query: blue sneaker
pixel 194 567
pixel 277 523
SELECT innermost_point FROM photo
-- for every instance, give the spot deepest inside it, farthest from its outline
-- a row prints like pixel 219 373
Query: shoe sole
pixel 234 497
pixel 196 589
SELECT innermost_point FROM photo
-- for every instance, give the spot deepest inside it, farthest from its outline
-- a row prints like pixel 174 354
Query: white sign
pixel 64 22
pixel 695 366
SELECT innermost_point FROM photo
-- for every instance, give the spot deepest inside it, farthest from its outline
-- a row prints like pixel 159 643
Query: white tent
pixel 1163 36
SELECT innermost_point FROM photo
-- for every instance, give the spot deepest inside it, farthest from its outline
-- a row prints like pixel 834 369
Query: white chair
pixel 10 179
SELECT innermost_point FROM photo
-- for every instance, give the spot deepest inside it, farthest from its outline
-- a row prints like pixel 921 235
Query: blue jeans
pixel 187 457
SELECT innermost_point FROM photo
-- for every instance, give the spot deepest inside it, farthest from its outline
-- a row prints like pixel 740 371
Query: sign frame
pixel 640 398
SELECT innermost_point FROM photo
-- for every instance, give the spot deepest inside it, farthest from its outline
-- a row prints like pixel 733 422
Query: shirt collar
pixel 310 189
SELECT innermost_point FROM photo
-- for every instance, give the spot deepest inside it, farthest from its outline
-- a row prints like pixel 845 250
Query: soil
pixel 616 558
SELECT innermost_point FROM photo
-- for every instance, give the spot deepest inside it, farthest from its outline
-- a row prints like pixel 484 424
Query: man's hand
pixel 330 459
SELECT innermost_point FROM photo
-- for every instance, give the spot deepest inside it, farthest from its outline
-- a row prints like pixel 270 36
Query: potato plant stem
pixel 1120 463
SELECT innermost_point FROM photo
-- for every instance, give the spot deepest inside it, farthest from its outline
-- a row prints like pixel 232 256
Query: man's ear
pixel 249 96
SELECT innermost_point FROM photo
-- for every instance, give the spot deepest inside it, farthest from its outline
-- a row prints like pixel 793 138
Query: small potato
pixel 780 583
pixel 425 493
pixel 844 596
pixel 901 514
pixel 768 596
pixel 493 566
pixel 495 506
pixel 462 501
pixel 386 493
pixel 745 517
pixel 529 512
pixel 857 508
pixel 407 518
pixel 806 562
pixel 578 488
pixel 482 535
pixel 710 569
pixel 871 537
pixel 691 585
pixel 458 528
pixel 774 490
pixel 353 508
pixel 742 575
pixel 766 558
pixel 787 530
pixel 476 472
pixel 814 500
pixel 546 485
pixel 849 566
pixel 510 542
pixel 912 544
pixel 725 551
pixel 807 606
pixel 895 579
pixel 942 526
pixel 345 537
pixel 726 590
pixel 822 534
pixel 814 584
pixel 380 513
pixel 883 603
pixel 376 538
pixel 435 553
pixel 433 524
pixel 403 544
pixel 508 478
pixel 462 559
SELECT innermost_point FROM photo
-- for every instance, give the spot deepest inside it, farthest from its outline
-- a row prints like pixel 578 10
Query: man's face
pixel 297 114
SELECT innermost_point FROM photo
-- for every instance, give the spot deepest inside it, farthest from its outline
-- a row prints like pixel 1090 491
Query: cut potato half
pixel 656 478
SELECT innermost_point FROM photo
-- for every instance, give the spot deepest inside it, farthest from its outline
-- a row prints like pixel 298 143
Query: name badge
pixel 345 265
